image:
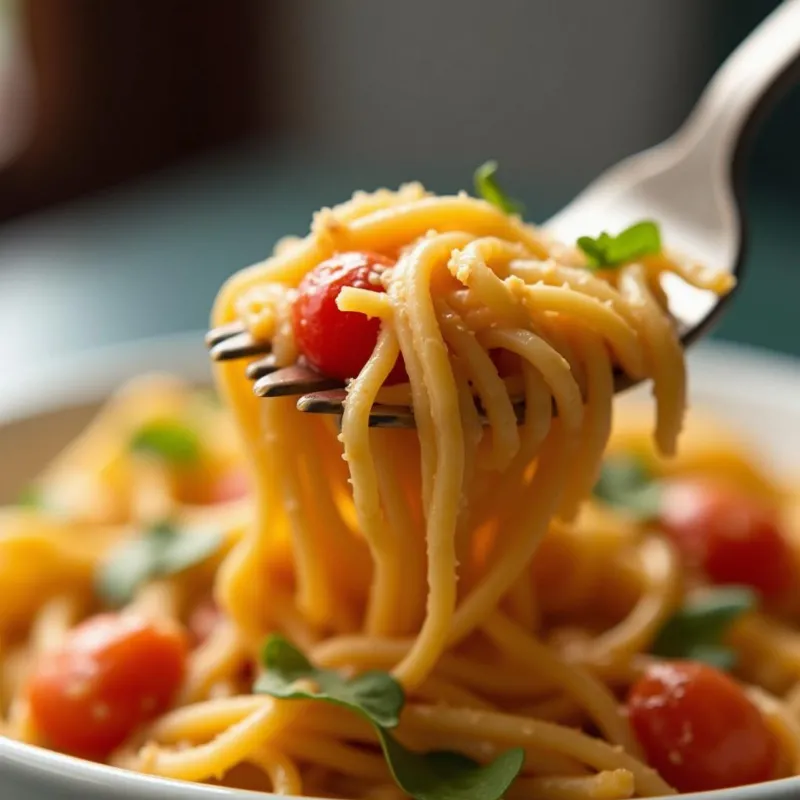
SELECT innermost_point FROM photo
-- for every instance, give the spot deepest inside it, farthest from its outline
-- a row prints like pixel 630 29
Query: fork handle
pixel 765 64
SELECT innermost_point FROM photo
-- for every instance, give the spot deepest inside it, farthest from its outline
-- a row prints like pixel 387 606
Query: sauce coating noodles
pixel 466 557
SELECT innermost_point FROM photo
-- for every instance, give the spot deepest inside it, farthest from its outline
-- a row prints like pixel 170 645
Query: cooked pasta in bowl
pixel 529 589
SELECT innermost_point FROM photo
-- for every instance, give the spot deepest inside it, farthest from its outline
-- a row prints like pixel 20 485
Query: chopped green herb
pixel 376 695
pixel 445 775
pixel 31 497
pixel 378 698
pixel 168 440
pixel 720 657
pixel 161 551
pixel 641 239
pixel 697 631
pixel 487 187
pixel 626 482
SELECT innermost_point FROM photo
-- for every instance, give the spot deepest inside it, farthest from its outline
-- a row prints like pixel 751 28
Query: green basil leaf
pixel 697 630
pixel 129 567
pixel 168 440
pixel 162 550
pixel 444 775
pixel 375 695
pixel 593 248
pixel 625 482
pixel 378 698
pixel 645 502
pixel 185 549
pixel 717 656
pixel 487 187
pixel 641 239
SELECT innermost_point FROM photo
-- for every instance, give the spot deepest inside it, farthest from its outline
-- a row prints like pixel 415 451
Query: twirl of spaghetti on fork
pixel 475 608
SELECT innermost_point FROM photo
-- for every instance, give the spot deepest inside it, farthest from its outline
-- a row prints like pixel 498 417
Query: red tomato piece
pixel 339 343
pixel 699 729
pixel 113 673
pixel 733 538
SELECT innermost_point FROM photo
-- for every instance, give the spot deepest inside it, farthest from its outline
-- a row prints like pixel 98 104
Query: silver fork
pixel 692 184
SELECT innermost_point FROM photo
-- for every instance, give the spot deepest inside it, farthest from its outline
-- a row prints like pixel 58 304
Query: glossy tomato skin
pixel 339 343
pixel 112 673
pixel 699 729
pixel 732 538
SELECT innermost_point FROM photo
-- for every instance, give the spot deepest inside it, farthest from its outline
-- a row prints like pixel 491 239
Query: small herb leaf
pixel 625 482
pixel 697 630
pixel 487 187
pixel 130 566
pixel 450 776
pixel 185 549
pixel 375 695
pixel 640 239
pixel 168 440
pixel 379 698
pixel 161 551
pixel 717 656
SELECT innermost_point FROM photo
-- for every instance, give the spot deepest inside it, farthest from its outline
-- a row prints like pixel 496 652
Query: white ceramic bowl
pixel 40 411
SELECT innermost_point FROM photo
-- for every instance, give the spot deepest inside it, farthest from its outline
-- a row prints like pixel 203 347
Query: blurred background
pixel 148 148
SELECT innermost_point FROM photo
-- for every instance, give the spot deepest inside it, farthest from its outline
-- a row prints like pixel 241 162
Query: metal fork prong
pixel 329 401
pixel 332 402
pixel 240 345
pixel 293 380
pixel 264 366
pixel 381 415
pixel 222 332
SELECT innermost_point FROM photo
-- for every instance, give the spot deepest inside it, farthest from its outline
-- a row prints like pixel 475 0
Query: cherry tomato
pixel 233 485
pixel 699 729
pixel 113 673
pixel 203 619
pixel 339 343
pixel 733 538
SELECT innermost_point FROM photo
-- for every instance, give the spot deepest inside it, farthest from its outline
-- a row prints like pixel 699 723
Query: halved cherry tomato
pixel 113 673
pixel 339 343
pixel 699 729
pixel 733 538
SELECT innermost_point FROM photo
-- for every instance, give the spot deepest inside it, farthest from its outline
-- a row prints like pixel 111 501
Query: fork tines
pixel 332 402
pixel 218 334
pixel 293 380
pixel 264 366
pixel 234 341
pixel 231 342
pixel 316 393
pixel 381 415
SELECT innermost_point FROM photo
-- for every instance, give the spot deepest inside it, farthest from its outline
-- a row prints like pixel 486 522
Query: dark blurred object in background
pixel 557 92
pixel 238 118
pixel 124 87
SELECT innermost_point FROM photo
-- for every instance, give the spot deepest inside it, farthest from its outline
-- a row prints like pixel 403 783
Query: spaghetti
pixel 522 585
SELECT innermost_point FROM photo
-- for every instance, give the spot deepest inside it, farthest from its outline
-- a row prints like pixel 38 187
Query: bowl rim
pixel 89 375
